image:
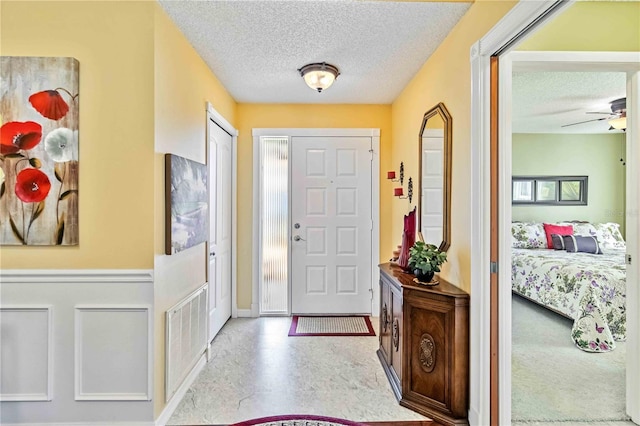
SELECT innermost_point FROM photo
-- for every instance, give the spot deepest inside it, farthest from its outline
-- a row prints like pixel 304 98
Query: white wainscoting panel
pixel 85 350
pixel 112 348
pixel 26 354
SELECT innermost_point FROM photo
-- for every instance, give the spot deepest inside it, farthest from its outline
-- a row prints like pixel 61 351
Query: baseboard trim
pixel 166 414
pixel 245 313
pixel 474 417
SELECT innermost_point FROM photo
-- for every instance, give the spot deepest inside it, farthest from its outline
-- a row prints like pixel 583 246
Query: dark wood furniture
pixel 424 345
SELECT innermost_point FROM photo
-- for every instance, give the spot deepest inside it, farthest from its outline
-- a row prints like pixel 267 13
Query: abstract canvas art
pixel 187 203
pixel 39 151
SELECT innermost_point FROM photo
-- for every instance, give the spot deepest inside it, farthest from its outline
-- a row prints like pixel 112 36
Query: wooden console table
pixel 424 345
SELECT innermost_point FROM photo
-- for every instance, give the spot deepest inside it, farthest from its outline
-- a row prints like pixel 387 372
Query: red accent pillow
pixel 556 229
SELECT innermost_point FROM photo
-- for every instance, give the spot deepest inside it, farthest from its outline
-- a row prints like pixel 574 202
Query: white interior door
pixel 220 160
pixel 331 225
pixel 432 186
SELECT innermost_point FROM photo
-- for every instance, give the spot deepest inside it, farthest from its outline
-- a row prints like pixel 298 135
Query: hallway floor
pixel 256 370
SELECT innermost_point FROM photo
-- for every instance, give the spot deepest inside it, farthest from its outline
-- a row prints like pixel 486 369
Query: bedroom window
pixel 549 190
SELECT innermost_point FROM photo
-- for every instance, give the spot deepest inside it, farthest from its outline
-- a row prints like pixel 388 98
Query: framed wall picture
pixel 549 190
pixel 39 167
pixel 186 203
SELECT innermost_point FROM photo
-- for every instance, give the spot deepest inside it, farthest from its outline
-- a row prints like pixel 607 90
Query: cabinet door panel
pixel 429 361
pixel 385 320
pixel 396 331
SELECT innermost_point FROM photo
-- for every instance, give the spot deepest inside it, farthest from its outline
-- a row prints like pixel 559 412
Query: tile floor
pixel 256 370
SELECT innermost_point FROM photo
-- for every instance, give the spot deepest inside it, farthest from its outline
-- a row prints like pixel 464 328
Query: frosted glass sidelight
pixel 274 218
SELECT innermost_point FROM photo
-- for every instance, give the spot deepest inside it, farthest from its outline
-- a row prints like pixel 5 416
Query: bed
pixel 588 288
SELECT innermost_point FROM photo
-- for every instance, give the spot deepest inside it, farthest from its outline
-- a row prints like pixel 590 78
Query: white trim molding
pixel 519 20
pixel 246 313
pixel 374 134
pixel 69 276
pixel 633 245
pixel 628 62
pixel 176 399
pixel 220 120
pixel 81 395
pixel 48 395
pixel 328 132
pixel 375 219
pixel 217 118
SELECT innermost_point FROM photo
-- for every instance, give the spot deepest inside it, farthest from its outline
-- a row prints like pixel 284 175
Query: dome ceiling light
pixel 319 76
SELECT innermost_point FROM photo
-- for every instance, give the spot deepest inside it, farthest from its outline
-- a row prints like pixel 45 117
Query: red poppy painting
pixel 38 151
pixel 15 136
pixel 50 104
pixel 32 186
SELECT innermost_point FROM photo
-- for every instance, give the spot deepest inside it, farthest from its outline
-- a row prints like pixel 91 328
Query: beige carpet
pixel 554 381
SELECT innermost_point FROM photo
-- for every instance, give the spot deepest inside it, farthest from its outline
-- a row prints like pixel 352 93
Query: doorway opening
pixel 567 62
pixel 566 306
pixel 222 140
pixel 491 334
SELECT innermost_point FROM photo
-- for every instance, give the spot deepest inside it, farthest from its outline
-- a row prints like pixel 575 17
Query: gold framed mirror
pixel 434 178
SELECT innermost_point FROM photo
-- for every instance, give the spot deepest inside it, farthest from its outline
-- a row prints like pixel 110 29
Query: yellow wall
pixel 310 116
pixel 113 41
pixel 591 26
pixel 445 77
pixel 183 85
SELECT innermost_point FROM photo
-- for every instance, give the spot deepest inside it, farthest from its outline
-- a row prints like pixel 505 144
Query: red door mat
pixel 331 326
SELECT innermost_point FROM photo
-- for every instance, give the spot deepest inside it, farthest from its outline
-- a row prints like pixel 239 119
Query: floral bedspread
pixel 589 288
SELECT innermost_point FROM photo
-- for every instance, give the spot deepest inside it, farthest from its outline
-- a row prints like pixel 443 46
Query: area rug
pixel 552 380
pixel 331 326
pixel 298 420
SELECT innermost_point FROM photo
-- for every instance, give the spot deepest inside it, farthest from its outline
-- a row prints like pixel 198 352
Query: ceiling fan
pixel 617 118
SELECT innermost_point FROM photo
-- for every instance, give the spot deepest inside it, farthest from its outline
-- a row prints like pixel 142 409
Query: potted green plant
pixel 425 260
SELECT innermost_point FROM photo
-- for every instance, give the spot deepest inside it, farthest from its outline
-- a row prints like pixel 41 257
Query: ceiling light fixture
pixel 618 123
pixel 319 76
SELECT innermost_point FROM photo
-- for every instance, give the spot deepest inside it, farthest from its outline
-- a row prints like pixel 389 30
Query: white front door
pixel 220 158
pixel 331 225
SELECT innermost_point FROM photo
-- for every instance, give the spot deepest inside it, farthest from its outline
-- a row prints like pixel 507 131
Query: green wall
pixel 590 26
pixel 597 156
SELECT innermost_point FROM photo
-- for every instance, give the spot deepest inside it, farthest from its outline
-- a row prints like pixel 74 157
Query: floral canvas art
pixel 187 203
pixel 38 151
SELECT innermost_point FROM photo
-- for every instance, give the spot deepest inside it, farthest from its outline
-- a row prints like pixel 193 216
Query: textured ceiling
pixel 256 47
pixel 545 101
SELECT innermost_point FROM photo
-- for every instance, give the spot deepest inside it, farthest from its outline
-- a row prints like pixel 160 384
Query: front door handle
pixel 298 238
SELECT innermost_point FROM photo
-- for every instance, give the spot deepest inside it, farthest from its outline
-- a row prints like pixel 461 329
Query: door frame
pixel 560 61
pixel 217 118
pixel 374 134
pixel 519 21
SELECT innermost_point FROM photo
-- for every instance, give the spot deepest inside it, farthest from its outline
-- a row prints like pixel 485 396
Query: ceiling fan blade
pixel 594 112
pixel 587 121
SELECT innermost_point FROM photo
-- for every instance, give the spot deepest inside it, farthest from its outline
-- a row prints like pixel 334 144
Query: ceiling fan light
pixel 319 76
pixel 618 123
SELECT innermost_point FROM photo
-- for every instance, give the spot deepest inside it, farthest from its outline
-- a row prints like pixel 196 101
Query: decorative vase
pixel 408 238
pixel 424 278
